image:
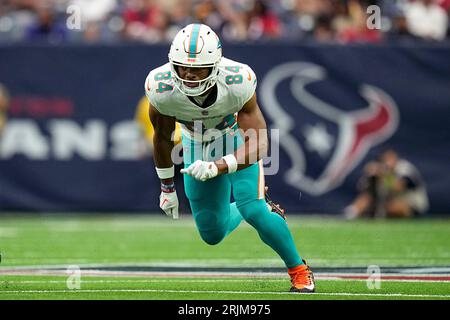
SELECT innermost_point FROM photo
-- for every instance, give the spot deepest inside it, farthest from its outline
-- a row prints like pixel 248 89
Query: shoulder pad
pixel 158 86
pixel 241 81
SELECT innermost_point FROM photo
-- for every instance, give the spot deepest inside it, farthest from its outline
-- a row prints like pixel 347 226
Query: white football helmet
pixel 196 45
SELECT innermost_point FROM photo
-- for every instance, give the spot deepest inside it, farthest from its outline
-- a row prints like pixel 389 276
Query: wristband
pixel 165 173
pixel 231 162
pixel 168 188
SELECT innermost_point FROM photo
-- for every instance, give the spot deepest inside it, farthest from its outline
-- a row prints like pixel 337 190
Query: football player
pixel 200 86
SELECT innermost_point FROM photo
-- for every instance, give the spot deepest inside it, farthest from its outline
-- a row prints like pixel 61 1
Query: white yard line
pixel 256 278
pixel 400 295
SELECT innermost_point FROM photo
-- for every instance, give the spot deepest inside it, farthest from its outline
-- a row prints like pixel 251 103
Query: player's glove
pixel 168 200
pixel 201 170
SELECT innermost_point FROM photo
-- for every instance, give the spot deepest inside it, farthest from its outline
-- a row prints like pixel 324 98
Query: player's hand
pixel 168 202
pixel 201 170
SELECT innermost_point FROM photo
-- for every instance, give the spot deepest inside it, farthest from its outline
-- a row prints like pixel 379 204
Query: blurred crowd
pixel 153 21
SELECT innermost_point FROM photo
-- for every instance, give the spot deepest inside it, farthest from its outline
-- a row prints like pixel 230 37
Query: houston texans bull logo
pixel 313 144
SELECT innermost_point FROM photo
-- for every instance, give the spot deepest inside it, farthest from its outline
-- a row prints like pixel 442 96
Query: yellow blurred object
pixel 2 120
pixel 4 101
pixel 389 181
pixel 144 121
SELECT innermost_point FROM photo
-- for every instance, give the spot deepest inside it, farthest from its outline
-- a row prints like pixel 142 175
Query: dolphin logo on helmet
pixel 196 45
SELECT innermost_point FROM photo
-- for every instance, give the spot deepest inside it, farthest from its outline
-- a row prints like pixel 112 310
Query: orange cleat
pixel 302 279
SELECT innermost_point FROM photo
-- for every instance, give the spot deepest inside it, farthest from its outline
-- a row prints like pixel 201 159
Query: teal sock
pixel 272 230
pixel 235 218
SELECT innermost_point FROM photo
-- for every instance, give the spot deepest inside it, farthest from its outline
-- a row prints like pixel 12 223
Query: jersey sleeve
pixel 249 83
pixel 149 87
pixel 157 99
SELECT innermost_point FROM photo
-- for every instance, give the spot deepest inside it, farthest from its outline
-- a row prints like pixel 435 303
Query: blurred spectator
pixel 155 21
pixel 262 22
pixel 46 26
pixel 426 19
pixel 4 102
pixel 145 20
pixel 306 18
pixel 357 30
pixel 390 187
pixel 234 15
pixel 95 11
pixel 97 20
pixel 323 30
pixel 179 16
pixel 207 12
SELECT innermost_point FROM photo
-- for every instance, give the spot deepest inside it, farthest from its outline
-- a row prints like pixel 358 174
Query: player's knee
pixel 212 237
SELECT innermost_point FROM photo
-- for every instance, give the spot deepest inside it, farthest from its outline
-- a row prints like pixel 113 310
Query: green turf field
pixel 48 287
pixel 154 240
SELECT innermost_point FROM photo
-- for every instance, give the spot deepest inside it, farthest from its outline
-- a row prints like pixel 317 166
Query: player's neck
pixel 207 99
pixel 207 92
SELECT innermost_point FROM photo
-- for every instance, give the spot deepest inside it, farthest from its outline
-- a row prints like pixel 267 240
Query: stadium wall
pixel 71 142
